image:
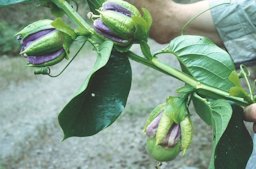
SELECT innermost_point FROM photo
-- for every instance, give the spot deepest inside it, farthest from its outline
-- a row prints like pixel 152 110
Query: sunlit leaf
pixel 202 59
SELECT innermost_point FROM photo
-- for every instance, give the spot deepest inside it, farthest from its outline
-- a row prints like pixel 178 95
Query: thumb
pixel 250 113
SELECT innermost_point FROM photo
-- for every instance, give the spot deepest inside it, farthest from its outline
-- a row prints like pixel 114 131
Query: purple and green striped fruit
pixel 42 44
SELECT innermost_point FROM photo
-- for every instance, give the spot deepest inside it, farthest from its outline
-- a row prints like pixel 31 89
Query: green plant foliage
pixel 203 108
pixel 204 60
pixel 235 146
pixel 237 89
pixel 95 4
pixel 221 113
pixel 102 97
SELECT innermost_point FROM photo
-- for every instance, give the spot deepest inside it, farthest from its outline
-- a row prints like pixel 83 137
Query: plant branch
pixel 74 16
pixel 197 85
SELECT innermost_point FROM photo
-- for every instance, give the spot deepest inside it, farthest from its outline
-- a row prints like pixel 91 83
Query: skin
pixel 168 19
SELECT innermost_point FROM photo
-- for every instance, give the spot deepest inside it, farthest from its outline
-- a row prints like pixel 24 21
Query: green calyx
pixel 186 134
pixel 176 108
pixel 163 128
pixel 122 25
pixel 161 153
pixel 34 27
pixel 46 44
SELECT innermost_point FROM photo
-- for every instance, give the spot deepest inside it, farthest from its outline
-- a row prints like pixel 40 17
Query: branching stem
pixel 204 89
pixel 74 16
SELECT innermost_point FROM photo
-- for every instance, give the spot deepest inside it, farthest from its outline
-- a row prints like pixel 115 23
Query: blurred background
pixel 31 137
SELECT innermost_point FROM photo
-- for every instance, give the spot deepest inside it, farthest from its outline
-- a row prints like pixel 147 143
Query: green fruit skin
pixel 161 153
pixel 121 24
pixel 126 5
pixel 163 127
pixel 35 27
pixel 46 44
pixel 186 134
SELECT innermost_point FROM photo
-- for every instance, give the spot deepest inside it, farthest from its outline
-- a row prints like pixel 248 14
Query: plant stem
pixel 197 85
pixel 143 61
pixel 74 16
pixel 157 65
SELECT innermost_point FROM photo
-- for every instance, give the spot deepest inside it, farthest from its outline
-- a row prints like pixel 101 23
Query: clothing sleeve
pixel 235 22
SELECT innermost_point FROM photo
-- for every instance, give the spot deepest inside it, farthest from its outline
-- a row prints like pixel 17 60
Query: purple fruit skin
pixel 105 31
pixel 36 60
pixel 172 137
pixel 116 7
pixel 152 127
pixel 25 42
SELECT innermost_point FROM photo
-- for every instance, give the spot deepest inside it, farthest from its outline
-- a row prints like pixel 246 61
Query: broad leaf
pixel 235 146
pixel 101 98
pixel 221 113
pixel 203 108
pixel 12 2
pixel 95 4
pixel 202 59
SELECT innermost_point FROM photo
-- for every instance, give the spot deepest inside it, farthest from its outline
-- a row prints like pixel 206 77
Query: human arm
pixel 169 18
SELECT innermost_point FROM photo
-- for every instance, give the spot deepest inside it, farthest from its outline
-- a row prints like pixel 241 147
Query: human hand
pixel 250 115
pixel 169 18
pixel 162 30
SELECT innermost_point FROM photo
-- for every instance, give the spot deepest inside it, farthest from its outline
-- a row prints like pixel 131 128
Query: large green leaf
pixel 221 113
pixel 203 60
pixel 235 146
pixel 95 4
pixel 12 2
pixel 203 108
pixel 100 100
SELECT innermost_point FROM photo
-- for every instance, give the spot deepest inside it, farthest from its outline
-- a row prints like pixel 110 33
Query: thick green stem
pixel 144 61
pixel 74 16
pixel 197 85
pixel 157 65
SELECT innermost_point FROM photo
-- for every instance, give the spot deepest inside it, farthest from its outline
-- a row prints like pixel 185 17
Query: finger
pixel 250 113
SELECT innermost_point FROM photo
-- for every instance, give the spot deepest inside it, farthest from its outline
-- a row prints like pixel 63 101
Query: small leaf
pixel 176 109
pixel 221 114
pixel 185 91
pixel 63 27
pixel 235 146
pixel 101 98
pixel 147 17
pixel 234 78
pixel 238 89
pixel 240 92
pixel 141 28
